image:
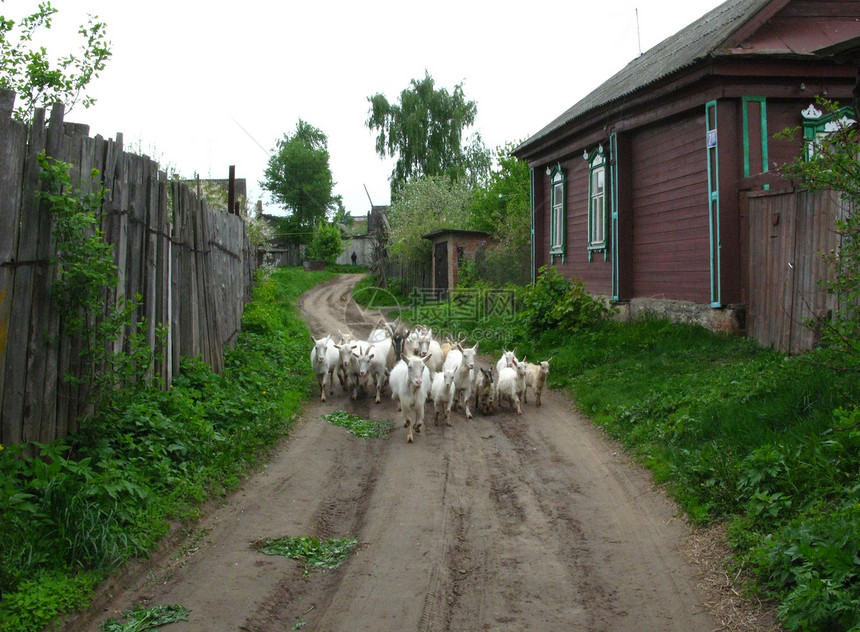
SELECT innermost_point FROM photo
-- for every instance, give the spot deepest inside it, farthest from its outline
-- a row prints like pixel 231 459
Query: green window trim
pixel 762 101
pixel 532 221
pixel 598 194
pixel 713 202
pixel 558 212
pixel 613 223
pixel 816 124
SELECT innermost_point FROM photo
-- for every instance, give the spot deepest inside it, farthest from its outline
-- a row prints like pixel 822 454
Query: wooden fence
pixel 412 275
pixel 788 232
pixel 192 267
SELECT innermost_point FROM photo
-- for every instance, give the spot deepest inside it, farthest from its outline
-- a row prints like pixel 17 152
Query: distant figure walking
pixel 354 258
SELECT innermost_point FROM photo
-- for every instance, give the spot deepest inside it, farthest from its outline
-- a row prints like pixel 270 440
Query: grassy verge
pixel 766 443
pixel 365 293
pixel 88 503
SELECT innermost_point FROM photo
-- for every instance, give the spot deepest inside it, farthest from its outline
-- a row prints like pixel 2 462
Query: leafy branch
pixel 85 270
pixel 28 69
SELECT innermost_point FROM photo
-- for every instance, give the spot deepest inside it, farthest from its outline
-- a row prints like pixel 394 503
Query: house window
pixel 816 124
pixel 558 222
pixel 597 202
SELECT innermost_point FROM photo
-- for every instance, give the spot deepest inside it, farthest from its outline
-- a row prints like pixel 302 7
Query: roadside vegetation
pixel 77 509
pixel 764 443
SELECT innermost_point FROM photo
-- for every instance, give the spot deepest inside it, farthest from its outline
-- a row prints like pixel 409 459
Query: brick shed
pixel 450 247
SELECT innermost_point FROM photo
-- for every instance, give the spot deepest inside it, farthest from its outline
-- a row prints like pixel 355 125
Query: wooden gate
pixel 788 233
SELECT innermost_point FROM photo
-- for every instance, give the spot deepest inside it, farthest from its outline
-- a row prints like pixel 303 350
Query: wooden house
pixel 641 188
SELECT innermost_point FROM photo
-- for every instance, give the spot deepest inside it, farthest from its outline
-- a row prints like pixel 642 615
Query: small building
pixel 450 248
pixel 643 188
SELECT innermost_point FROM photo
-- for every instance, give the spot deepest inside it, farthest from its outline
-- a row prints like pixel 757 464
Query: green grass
pixel 83 505
pixel 767 443
pixel 365 293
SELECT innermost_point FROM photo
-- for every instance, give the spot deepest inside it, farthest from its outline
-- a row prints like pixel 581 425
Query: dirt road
pixel 499 523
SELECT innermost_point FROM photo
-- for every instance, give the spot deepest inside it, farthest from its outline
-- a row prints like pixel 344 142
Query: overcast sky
pixel 200 86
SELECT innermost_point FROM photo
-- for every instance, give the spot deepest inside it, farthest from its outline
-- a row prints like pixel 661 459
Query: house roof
pixel 710 35
pixel 455 231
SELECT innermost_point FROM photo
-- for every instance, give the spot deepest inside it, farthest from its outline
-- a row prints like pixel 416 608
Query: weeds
pixel 311 551
pixel 363 428
pixel 141 619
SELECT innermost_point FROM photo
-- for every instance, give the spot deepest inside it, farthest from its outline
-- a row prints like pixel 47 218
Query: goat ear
pixel 550 360
pixel 370 357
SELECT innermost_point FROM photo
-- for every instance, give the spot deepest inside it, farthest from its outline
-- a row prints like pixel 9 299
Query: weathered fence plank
pixel 12 152
pixel 23 288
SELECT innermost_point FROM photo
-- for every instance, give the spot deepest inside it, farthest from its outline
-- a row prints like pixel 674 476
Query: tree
pixel 327 244
pixel 501 207
pixel 830 162
pixel 424 131
pixel 425 205
pixel 37 80
pixel 299 178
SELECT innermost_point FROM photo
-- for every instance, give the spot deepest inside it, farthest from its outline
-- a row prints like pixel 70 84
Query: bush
pixel 554 302
pixel 326 245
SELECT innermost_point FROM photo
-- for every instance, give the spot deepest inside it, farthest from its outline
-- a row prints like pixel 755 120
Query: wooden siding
pixel 670 257
pixel 803 26
pixel 788 231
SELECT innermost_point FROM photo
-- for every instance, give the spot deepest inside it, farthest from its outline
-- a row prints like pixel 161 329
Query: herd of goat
pixel 416 368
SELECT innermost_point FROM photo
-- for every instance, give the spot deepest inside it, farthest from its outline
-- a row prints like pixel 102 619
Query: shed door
pixel 441 265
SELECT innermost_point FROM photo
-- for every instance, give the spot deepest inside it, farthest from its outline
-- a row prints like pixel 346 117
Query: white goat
pixel 507 360
pixel 381 350
pixel 428 345
pixel 462 361
pixel 324 360
pixel 511 384
pixel 410 381
pixel 412 343
pixel 536 378
pixel 382 334
pixel 355 358
pixel 345 360
pixel 442 391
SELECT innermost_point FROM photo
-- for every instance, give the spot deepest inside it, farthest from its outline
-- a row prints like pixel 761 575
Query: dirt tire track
pixel 503 523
